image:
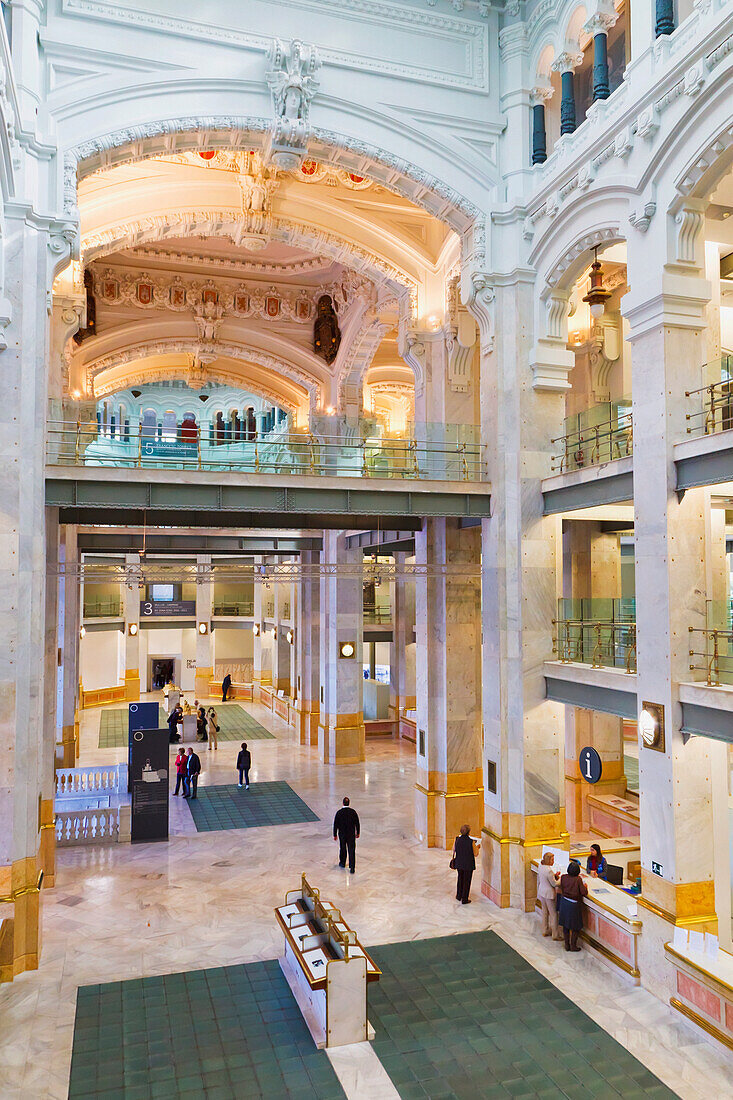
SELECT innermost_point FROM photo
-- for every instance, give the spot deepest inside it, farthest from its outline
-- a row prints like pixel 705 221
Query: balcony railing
pixel 598 435
pixel 101 608
pixel 711 647
pixel 596 632
pixel 233 608
pixel 713 402
pixel 377 616
pixel 435 452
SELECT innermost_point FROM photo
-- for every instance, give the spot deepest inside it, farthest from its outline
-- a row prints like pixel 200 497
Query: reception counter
pixel 611 924
pixel 703 983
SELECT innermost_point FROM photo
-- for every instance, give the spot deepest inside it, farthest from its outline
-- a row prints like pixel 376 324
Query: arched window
pixel 251 423
pixel 189 429
pixel 148 424
pixel 170 426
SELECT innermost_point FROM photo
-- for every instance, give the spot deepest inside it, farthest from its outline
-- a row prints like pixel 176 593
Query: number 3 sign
pixel 590 764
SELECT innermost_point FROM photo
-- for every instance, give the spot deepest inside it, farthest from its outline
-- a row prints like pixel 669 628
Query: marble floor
pixel 207 899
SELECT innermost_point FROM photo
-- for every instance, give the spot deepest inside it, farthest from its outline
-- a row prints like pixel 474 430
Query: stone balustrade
pixel 109 778
pixel 100 826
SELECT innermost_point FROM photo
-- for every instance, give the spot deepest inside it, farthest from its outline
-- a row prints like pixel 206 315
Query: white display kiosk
pixel 326 967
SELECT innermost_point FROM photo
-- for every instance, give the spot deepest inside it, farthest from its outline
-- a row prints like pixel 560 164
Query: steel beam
pixel 614 489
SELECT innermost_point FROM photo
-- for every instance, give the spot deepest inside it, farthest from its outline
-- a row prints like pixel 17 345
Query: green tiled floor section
pixel 238 725
pixel 235 722
pixel 215 1034
pixel 467 1018
pixel 113 727
pixel 263 804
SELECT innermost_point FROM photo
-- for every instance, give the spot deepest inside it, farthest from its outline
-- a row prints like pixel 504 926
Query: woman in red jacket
pixel 180 770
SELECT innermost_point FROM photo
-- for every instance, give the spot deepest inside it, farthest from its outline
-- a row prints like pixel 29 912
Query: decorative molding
pixel 196 374
pixel 273 269
pixel 358 359
pixel 641 218
pixel 293 85
pixel 581 246
pixel 567 61
pixel 191 347
pixel 690 220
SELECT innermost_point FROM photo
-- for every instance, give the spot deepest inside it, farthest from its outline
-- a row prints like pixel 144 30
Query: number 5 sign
pixel 590 764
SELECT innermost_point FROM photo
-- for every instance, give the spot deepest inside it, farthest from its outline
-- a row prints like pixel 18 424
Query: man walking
pixel 193 767
pixel 226 685
pixel 244 763
pixel 346 831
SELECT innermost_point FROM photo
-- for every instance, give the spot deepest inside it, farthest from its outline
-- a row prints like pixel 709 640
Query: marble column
pixel 666 312
pixel 69 627
pixel 307 648
pixel 523 730
pixel 592 568
pixel 131 607
pixel 341 720
pixel 262 651
pixel 47 848
pixel 24 763
pixel 204 642
pixel 402 646
pixel 448 788
pixel 280 644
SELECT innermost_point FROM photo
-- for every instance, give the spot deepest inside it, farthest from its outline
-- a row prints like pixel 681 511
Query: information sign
pixel 149 775
pixel 140 716
pixel 590 764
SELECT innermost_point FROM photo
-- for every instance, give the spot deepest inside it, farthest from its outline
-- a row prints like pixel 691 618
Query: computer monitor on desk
pixel 614 875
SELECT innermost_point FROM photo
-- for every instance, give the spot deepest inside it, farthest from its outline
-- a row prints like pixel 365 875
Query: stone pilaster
pixel 341 720
pixel 666 314
pixel 262 650
pixel 448 788
pixel 204 642
pixel 131 602
pixel 280 644
pixel 523 730
pixel 402 646
pixel 307 648
pixel 69 627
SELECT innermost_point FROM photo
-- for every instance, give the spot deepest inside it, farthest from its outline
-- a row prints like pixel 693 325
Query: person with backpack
pixel 244 763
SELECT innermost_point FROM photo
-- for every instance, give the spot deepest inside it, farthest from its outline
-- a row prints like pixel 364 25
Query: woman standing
pixel 465 851
pixel 572 892
pixel 201 724
pixel 213 729
pixel 180 770
pixel 547 896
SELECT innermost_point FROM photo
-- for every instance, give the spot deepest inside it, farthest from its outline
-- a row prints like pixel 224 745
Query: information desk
pixel 326 967
pixel 610 815
pixel 621 850
pixel 703 982
pixel 611 924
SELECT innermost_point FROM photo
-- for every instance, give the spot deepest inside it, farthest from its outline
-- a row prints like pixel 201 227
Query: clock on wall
pixel 651 726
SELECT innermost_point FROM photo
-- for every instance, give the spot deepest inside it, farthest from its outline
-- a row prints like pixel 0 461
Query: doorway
pixel 162 670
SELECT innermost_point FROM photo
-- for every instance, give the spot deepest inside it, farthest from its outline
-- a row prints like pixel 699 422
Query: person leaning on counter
pixel 570 911
pixel 596 863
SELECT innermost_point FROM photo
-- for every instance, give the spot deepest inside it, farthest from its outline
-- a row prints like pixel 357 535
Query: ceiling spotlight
pixel 132 629
pixel 347 649
pixel 203 628
pixel 330 410
pixel 76 394
pixel 597 296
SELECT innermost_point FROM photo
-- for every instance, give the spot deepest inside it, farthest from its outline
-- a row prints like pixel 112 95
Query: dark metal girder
pixel 705 469
pixel 614 489
pixel 124 541
pixel 592 697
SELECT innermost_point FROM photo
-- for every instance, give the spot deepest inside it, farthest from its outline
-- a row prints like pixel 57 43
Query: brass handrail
pixel 712 403
pixel 712 667
pixel 612 433
pixel 570 650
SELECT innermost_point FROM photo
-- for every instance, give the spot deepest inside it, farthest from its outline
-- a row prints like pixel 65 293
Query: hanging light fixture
pixel 597 296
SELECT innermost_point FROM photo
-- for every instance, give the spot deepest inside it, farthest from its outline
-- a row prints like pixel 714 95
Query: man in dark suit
pixel 346 830
pixel 193 767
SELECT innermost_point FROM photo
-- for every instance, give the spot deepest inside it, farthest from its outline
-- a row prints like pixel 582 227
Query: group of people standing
pixel 188 768
pixel 561 896
pixel 207 725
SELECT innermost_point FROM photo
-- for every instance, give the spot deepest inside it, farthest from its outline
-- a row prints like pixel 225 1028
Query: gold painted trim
pixel 631 921
pixel 445 794
pixel 668 947
pixel 526 843
pixel 607 953
pixel 701 1022
pixel 679 922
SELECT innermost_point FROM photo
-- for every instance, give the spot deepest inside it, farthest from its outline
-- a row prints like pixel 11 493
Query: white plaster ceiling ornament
pixel 293 84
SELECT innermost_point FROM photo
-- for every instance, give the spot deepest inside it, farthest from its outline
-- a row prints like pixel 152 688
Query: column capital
pixel 540 95
pixel 601 21
pixel 567 61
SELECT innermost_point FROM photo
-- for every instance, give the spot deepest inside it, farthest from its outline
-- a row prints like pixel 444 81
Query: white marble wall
pixel 341 721
pixel 402 646
pixel 307 647
pixel 204 606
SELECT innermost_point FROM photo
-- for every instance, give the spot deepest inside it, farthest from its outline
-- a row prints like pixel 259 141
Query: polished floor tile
pixel 231 807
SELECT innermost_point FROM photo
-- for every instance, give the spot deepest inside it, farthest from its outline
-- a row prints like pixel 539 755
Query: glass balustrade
pixel 102 608
pixel 596 435
pixel 711 647
pixel 377 616
pixel 711 404
pixel 232 608
pixel 429 451
pixel 597 632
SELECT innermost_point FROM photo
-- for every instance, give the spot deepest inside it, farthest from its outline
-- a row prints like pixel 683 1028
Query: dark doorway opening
pixel 162 672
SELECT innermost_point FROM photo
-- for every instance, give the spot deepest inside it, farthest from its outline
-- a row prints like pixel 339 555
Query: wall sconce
pixel 76 394
pixel 274 632
pixel 203 628
pixel 347 649
pixel 132 629
pixel 330 410
pixel 290 637
pixel 83 632
pixel 256 629
pixel 433 322
pixel 597 296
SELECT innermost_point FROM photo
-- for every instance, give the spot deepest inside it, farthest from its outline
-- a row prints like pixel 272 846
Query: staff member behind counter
pixel 596 863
